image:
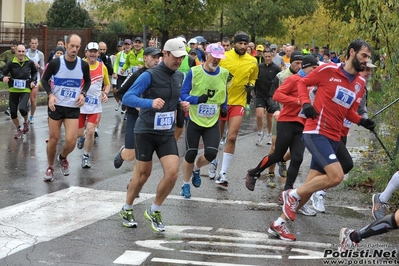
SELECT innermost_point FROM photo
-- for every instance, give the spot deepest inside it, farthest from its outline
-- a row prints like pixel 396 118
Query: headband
pixel 241 38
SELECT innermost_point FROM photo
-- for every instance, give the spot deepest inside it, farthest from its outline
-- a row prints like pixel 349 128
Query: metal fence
pixel 47 37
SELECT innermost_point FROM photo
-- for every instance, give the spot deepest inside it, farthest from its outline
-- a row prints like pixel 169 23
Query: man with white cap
pixel 91 110
pixel 205 89
pixel 193 44
pixel 156 92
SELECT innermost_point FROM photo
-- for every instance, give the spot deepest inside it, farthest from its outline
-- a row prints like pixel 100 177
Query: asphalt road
pixel 74 220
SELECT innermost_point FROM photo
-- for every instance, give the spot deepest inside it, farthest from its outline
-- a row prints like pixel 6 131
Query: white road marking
pixel 191 262
pixel 132 257
pixel 50 216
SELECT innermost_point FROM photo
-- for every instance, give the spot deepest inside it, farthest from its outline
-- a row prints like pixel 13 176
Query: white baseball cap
pixel 370 65
pixel 176 47
pixel 92 46
pixel 193 40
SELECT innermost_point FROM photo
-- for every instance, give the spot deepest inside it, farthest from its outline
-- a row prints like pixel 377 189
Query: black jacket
pixel 25 70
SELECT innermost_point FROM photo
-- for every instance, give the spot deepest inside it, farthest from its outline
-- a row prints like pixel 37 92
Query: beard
pixel 212 66
pixel 359 67
pixel 239 52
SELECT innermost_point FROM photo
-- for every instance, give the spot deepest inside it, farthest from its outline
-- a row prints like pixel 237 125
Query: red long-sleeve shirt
pixel 287 94
pixel 335 100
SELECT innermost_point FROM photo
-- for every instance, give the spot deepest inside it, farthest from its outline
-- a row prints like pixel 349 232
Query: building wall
pixel 12 10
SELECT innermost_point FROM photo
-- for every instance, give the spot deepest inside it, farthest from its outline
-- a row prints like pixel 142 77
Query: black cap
pixel 138 39
pixel 152 51
pixel 309 60
pixel 192 51
pixel 296 55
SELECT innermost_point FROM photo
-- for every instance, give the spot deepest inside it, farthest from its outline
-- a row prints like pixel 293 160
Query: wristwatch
pixel 83 93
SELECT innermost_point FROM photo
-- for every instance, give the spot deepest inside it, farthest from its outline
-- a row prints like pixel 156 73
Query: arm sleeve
pixel 273 106
pixel 186 88
pixel 362 109
pixel 86 76
pixel 116 63
pixel 131 78
pixel 33 72
pixel 4 71
pixel 51 69
pixel 282 95
pixel 106 76
pixel 41 60
pixel 254 75
pixel 132 96
pixel 126 65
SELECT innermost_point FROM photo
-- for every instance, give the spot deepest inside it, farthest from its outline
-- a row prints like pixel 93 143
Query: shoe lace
pixel 294 205
pixel 283 227
pixel 64 163
pixel 157 217
pixel 129 215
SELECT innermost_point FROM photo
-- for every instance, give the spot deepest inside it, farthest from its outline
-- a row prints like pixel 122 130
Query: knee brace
pixel 210 154
pixel 190 155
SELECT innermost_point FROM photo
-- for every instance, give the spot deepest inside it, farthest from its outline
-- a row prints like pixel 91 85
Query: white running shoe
pixel 318 202
pixel 260 138
pixel 222 180
pixel 269 139
pixel 306 210
pixel 213 167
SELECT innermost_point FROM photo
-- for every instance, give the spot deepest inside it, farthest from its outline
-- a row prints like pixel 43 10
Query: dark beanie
pixel 296 55
pixel 241 38
pixel 310 60
pixel 59 48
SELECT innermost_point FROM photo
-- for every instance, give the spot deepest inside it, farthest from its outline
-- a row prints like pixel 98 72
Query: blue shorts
pixel 323 151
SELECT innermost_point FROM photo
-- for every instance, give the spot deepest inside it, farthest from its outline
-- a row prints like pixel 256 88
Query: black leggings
pixel 210 137
pixel 344 157
pixel 18 100
pixel 289 135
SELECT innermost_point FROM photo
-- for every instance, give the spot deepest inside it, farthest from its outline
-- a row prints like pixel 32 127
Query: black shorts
pixel 62 112
pixel 147 143
pixel 261 102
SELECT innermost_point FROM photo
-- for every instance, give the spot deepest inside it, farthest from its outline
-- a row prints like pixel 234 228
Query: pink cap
pixel 216 50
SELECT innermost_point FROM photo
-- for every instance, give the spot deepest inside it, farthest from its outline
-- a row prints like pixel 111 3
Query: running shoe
pixel 185 191
pixel 345 241
pixel 213 167
pixel 18 134
pixel 96 133
pixel 49 175
pixel 26 127
pixel 118 105
pixel 196 178
pixel 290 205
pixel 306 210
pixel 86 162
pixel 281 231
pixel 271 181
pixel 318 202
pixel 282 169
pixel 31 119
pixel 64 165
pixel 222 180
pixel 269 139
pixel 127 218
pixel 260 138
pixel 80 144
pixel 379 208
pixel 250 180
pixel 7 112
pixel 118 161
pixel 156 221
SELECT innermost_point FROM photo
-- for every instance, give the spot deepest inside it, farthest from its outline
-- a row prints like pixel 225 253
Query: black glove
pixel 203 98
pixel 249 88
pixel 230 77
pixel 367 123
pixel 223 112
pixel 309 111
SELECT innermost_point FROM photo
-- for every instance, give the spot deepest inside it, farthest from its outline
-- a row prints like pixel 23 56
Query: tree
pixel 167 17
pixel 35 12
pixel 264 17
pixel 68 14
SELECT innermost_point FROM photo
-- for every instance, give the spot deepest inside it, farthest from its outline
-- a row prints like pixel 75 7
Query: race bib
pixel 344 97
pixel 91 100
pixel 68 93
pixel 19 84
pixel 206 110
pixel 164 120
pixel 347 123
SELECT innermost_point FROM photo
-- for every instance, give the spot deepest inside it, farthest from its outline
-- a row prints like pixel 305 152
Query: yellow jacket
pixel 244 68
